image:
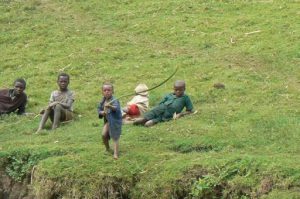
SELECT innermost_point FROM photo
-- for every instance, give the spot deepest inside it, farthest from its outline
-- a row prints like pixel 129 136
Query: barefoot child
pixel 171 106
pixel 60 106
pixel 109 109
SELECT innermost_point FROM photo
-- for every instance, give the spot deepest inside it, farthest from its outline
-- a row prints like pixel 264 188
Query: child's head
pixel 179 88
pixel 141 89
pixel 107 90
pixel 63 80
pixel 19 86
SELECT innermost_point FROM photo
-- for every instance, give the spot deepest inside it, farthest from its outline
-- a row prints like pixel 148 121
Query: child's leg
pixel 105 136
pixel 124 114
pixel 44 119
pixel 59 113
pixel 150 123
pixel 140 121
pixel 116 149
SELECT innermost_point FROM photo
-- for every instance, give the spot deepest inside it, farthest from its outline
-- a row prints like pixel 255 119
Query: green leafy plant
pixel 207 184
pixel 204 185
pixel 20 162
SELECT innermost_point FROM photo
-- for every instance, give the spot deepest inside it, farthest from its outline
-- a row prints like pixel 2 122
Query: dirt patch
pixel 183 186
pixel 266 186
pixel 188 148
pixel 10 189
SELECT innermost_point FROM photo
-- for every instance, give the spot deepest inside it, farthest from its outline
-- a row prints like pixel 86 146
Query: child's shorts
pixel 133 110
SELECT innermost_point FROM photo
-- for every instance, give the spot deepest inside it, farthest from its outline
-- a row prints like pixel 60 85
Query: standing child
pixel 109 109
pixel 138 105
pixel 60 106
pixel 171 106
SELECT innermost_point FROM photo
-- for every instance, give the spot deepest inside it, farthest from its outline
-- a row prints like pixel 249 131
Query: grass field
pixel 242 143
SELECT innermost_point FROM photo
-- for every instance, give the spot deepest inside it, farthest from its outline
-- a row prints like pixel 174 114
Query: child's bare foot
pixel 116 156
pixel 41 132
pixel 38 131
pixel 108 151
pixel 149 123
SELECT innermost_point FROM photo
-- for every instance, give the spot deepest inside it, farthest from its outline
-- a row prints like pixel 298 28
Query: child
pixel 60 106
pixel 13 99
pixel 169 107
pixel 109 109
pixel 138 105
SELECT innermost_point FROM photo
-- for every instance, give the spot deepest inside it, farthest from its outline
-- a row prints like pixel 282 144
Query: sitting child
pixel 15 99
pixel 60 106
pixel 138 105
pixel 169 107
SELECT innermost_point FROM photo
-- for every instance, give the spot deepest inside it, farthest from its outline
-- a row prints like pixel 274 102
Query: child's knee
pixel 140 121
pixel 105 137
pixel 58 107
pixel 105 134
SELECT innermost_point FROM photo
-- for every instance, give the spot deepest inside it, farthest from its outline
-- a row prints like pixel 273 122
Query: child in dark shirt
pixel 171 106
pixel 15 99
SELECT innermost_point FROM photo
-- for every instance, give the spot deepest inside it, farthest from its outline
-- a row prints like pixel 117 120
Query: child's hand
pixel 103 113
pixel 176 116
pixel 42 111
pixel 52 104
pixel 108 105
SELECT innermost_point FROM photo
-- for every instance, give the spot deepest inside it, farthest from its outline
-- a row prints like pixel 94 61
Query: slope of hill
pixel 242 143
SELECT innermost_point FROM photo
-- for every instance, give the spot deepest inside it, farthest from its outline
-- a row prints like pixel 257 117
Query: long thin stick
pixel 154 87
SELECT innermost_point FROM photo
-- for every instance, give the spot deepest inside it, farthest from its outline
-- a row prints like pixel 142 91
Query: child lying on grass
pixel 169 107
pixel 137 106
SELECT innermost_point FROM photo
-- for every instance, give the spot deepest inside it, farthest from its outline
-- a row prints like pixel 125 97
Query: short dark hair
pixel 21 80
pixel 64 75
pixel 180 83
pixel 108 84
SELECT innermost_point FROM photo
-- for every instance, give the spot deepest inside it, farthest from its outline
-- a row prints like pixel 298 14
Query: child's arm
pixel 164 99
pixel 67 105
pixel 69 102
pixel 101 112
pixel 189 108
pixel 52 101
pixel 183 114
pixel 114 106
pixel 21 109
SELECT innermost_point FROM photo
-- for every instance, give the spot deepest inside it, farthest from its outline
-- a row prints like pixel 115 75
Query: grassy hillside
pixel 244 141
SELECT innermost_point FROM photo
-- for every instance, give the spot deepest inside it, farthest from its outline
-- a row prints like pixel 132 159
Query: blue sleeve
pixel 116 104
pixel 100 109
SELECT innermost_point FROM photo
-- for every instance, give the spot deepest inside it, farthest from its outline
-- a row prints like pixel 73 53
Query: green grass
pixel 242 135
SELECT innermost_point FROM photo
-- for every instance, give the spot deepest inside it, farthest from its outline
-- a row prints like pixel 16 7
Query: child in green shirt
pixel 170 106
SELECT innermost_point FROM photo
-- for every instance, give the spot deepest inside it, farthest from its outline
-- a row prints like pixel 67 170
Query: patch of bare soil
pixel 9 189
